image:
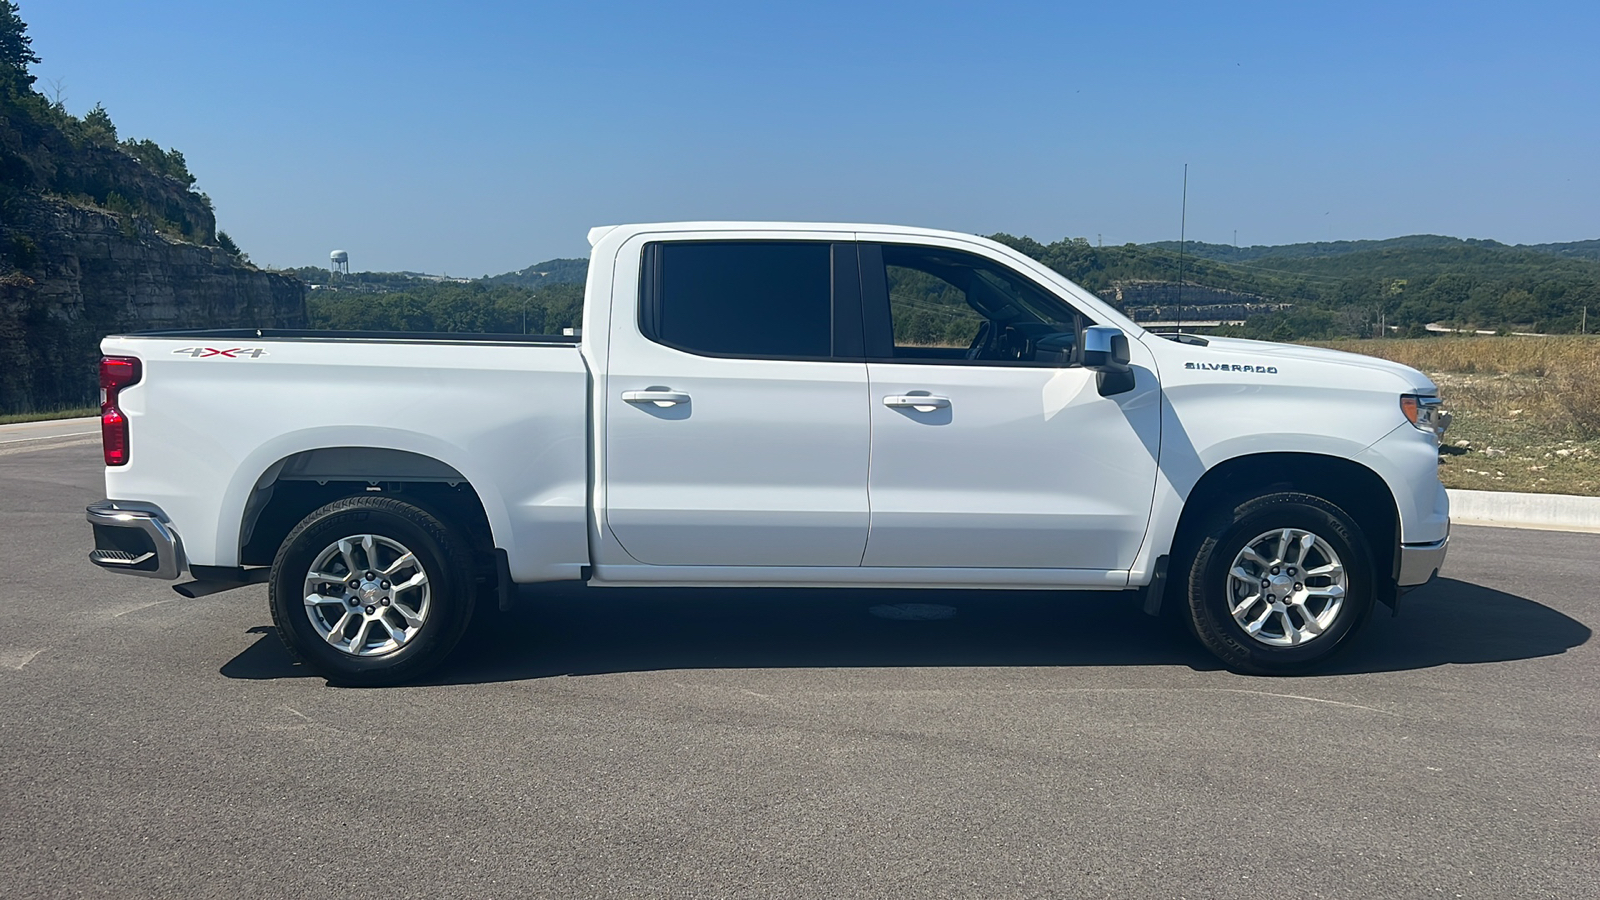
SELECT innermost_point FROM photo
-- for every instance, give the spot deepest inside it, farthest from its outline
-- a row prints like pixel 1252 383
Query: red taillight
pixel 116 373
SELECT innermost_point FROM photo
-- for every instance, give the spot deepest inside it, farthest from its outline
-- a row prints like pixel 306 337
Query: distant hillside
pixel 1417 246
pixel 552 271
pixel 1343 288
pixel 368 282
pixel 1578 249
pixel 1230 253
pixel 1420 256
pixel 450 306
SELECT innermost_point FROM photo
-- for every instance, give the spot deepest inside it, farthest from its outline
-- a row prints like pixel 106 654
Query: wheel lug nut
pixel 384 601
pixel 1266 583
pixel 354 584
pixel 1299 587
pixel 1291 570
pixel 1274 570
pixel 371 575
pixel 353 602
pixel 1270 598
pixel 384 585
pixel 371 610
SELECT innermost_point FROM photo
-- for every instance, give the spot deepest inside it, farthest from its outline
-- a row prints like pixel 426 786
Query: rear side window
pixel 740 298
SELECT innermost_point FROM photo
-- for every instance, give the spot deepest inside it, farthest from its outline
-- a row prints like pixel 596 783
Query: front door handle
pixel 659 398
pixel 918 402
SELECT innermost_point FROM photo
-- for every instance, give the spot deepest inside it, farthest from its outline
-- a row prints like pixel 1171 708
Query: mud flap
pixel 1157 588
pixel 1390 593
pixel 505 589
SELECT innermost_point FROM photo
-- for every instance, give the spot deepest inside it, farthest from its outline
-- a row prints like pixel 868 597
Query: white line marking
pixel 16 659
pixel 48 437
pixel 11 450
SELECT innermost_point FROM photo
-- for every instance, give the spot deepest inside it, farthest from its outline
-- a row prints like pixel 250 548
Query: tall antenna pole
pixel 1183 231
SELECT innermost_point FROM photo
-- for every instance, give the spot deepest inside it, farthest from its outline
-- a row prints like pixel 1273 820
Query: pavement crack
pixel 138 606
pixel 1307 699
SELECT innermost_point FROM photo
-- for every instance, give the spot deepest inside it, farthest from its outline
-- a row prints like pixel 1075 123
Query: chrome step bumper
pixel 135 541
pixel 1420 562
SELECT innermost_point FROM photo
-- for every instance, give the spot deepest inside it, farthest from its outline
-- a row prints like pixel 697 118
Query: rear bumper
pixel 135 541
pixel 1420 562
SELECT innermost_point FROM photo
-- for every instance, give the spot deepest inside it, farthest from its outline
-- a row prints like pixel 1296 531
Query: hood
pixel 1418 382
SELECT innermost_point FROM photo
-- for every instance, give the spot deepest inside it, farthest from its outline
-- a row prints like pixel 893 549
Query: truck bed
pixel 508 413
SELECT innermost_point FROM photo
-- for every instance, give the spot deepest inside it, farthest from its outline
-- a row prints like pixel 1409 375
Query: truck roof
pixel 600 231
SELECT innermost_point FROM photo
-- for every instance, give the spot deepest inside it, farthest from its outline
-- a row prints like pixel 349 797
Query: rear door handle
pixel 659 398
pixel 918 402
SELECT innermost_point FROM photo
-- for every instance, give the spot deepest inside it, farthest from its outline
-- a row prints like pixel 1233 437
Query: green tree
pixel 16 52
pixel 97 126
pixel 226 242
pixel 166 162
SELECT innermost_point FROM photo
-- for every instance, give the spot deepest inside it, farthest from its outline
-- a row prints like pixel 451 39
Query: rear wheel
pixel 1278 583
pixel 371 591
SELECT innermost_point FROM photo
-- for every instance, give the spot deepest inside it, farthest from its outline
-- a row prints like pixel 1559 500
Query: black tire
pixel 1214 593
pixel 392 649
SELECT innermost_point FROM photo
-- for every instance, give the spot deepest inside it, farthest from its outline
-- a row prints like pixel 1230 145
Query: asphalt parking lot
pixel 734 743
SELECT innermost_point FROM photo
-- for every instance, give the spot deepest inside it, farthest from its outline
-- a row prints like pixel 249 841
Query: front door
pixel 736 423
pixel 991 445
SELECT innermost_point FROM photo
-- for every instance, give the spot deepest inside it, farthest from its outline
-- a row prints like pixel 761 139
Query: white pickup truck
pixel 774 404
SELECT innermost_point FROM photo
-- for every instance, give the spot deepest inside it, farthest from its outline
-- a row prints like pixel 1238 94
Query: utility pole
pixel 1583 328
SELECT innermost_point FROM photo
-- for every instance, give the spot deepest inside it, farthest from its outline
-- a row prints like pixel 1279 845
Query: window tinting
pixel 733 298
pixel 950 306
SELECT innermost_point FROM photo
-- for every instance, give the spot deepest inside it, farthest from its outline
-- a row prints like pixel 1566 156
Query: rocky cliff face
pixel 95 239
pixel 71 274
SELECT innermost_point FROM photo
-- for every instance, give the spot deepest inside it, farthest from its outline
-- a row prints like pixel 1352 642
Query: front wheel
pixel 1278 583
pixel 371 591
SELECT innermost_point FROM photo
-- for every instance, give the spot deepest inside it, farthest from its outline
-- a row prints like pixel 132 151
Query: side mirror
pixel 1105 350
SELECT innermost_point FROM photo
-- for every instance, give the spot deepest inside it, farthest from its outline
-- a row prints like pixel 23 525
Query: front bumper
pixel 135 541
pixel 1420 562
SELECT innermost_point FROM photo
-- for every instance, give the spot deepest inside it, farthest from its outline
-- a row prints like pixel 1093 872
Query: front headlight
pixel 1426 412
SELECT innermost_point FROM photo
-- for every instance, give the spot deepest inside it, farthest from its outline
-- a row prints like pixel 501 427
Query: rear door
pixel 736 417
pixel 991 445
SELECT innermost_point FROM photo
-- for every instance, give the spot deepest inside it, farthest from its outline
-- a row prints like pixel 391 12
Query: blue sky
pixel 475 138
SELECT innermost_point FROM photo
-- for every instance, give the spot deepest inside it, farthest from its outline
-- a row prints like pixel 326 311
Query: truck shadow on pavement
pixel 598 631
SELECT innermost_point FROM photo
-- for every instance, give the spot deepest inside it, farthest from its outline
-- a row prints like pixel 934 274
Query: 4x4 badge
pixel 230 353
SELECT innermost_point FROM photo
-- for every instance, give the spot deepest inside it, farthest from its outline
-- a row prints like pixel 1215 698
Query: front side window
pixel 769 299
pixel 951 306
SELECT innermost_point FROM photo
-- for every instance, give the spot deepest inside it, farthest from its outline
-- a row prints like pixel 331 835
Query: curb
pixel 1505 509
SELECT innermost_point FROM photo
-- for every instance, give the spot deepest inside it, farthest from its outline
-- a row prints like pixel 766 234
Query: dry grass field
pixel 1527 409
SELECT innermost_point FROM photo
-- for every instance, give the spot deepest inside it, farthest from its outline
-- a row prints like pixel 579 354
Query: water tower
pixel 339 262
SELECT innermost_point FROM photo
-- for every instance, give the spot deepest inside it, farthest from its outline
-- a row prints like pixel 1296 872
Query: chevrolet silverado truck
pixel 774 405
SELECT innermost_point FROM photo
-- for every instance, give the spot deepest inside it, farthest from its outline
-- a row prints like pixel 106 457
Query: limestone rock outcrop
pixel 93 242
